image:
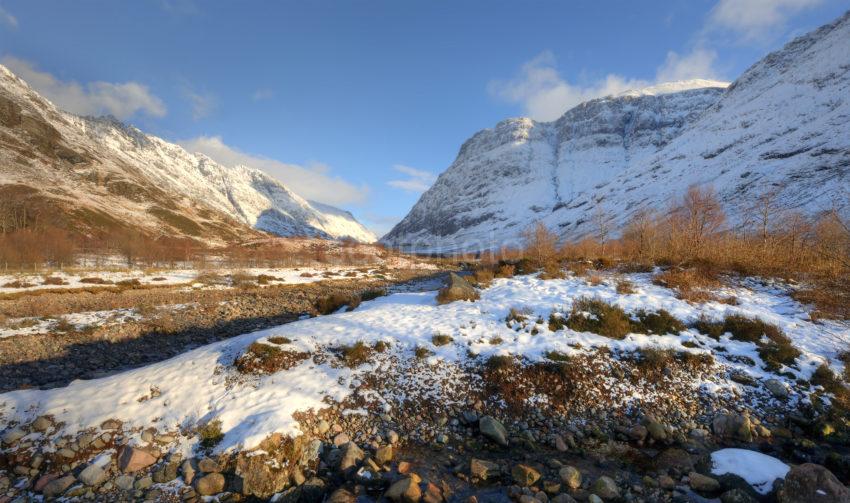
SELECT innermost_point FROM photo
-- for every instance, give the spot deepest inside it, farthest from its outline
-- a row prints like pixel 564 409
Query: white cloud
pixel 545 95
pixel 122 100
pixel 699 64
pixel 7 18
pixel 756 20
pixel 313 181
pixel 262 94
pixel 417 180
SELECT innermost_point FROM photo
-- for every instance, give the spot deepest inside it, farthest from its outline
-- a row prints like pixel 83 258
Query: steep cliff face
pixel 523 170
pixel 97 174
pixel 783 125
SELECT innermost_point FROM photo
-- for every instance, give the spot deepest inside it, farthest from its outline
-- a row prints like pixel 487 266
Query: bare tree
pixel 602 227
pixel 540 243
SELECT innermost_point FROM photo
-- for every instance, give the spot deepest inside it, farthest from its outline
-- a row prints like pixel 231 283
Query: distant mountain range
pixel 97 175
pixel 783 125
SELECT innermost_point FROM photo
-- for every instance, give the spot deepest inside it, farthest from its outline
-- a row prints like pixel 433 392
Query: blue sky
pixel 361 104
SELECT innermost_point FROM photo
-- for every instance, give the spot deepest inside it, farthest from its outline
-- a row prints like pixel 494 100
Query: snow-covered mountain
pixel 102 174
pixel 785 123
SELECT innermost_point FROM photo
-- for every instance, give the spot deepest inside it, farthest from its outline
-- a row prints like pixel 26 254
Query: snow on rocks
pixel 759 470
pixel 200 384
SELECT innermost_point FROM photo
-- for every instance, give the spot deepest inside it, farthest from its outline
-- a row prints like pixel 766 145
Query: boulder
pixel 341 496
pixel 494 430
pixel 675 459
pixel 384 454
pixel 133 459
pixel 656 430
pixel 125 482
pixel 210 484
pixel 813 484
pixel 524 475
pixel 266 471
pixel 42 423
pixel 456 288
pixel 209 465
pixel 351 456
pixel 11 436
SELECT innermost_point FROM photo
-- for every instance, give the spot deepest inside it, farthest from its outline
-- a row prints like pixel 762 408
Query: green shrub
pixel 598 317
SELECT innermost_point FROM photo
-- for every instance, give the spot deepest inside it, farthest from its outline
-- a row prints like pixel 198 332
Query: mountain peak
pixel 675 87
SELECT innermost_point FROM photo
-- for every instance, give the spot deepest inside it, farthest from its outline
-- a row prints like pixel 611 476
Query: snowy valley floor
pixel 494 398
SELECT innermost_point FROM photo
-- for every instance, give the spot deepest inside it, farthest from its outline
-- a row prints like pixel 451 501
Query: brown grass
pixel 262 358
pixel 441 339
pixel 598 317
pixel 355 355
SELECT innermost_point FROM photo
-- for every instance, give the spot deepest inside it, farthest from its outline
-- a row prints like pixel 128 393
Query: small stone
pixel 813 484
pixel 42 423
pixel 110 424
pixel 209 465
pixel 143 483
pixel 392 437
pixel 133 459
pixel 93 475
pixel 297 477
pixel 384 454
pixel 66 453
pixel 638 433
pixel 702 483
pixel 404 467
pixel 594 499
pixel 666 482
pixel 58 486
pixel 341 496
pixel 323 427
pixel 570 476
pixel 494 430
pixel 210 484
pixel 776 388
pixel 125 482
pixel 351 456
pixel 39 484
pixel 605 488
pixel 405 490
pixel 525 475
pixel 341 439
pixel 563 498
pixel 483 469
pixel 656 430
pixel 12 436
pixel 551 487
pixel 189 471
pixel 560 445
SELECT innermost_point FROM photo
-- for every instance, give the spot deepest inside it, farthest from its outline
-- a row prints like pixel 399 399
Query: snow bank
pixel 759 470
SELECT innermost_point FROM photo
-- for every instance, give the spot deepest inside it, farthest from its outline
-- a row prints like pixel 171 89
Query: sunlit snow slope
pixel 784 124
pixel 99 172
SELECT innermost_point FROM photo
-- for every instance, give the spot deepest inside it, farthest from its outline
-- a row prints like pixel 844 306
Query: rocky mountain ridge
pixel 97 175
pixel 783 125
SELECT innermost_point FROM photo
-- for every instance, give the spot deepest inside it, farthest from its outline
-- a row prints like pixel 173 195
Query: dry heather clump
pixel 598 317
pixel 372 294
pixel 505 271
pixel 18 284
pixel 100 281
pixel 625 287
pixel 500 363
pixel 831 298
pixel 552 270
pixel 517 315
pixel 594 280
pixel 659 323
pixel 334 302
pixel 441 339
pixel 774 347
pixel 53 280
pixel 483 277
pixel 355 355
pixel 210 434
pixel 422 352
pixel 262 358
pixel 693 285
pixel 279 340
pixel 265 279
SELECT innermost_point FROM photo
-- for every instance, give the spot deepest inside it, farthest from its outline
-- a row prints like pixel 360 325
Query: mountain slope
pixel 785 123
pixel 97 175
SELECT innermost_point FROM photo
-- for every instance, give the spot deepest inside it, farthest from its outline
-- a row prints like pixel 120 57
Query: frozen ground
pixel 202 384
pixel 13 283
